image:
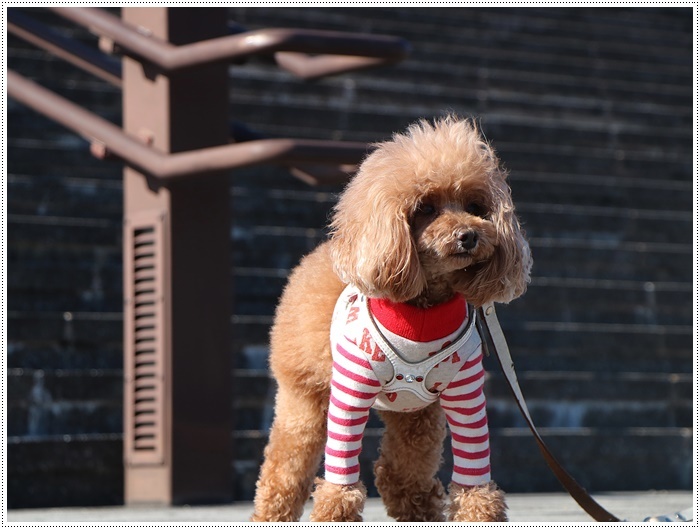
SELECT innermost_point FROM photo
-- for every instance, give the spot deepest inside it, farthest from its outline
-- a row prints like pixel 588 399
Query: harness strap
pixel 421 367
pixel 495 342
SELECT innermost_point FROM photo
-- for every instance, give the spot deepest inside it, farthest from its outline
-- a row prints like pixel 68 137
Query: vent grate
pixel 144 335
pixel 144 340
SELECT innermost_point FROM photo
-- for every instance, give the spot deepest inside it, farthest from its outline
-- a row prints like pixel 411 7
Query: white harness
pixel 412 376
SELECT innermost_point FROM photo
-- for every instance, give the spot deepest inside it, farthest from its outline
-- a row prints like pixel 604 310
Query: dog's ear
pixel 371 245
pixel 506 274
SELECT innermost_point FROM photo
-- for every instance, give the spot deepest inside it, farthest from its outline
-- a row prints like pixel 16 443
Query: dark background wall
pixel 589 108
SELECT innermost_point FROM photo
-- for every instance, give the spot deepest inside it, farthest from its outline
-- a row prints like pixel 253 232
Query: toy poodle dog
pixel 382 316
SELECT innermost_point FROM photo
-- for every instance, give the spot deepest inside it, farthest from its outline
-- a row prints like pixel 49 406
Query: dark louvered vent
pixel 145 340
pixel 144 421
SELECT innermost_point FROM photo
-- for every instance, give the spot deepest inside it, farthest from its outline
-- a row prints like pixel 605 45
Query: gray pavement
pixel 540 507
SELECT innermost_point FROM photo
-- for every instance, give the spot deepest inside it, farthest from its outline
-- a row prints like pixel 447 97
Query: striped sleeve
pixel 354 387
pixel 465 408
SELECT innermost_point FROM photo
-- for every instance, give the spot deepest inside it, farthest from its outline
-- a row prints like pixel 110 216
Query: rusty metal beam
pixel 313 67
pixel 68 49
pixel 179 166
pixel 366 50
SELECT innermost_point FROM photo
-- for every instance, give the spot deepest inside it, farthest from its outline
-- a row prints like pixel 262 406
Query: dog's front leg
pixel 354 388
pixel 482 503
pixel 338 503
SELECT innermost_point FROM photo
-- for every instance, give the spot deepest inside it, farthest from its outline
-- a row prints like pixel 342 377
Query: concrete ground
pixel 541 507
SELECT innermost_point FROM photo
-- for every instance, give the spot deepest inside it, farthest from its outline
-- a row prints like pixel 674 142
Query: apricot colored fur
pixel 485 503
pixel 410 453
pixel 338 503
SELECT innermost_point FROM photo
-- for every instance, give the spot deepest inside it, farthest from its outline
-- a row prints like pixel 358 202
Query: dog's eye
pixel 425 208
pixel 476 209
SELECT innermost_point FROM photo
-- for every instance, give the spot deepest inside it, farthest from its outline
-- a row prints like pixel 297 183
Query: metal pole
pixel 65 47
pixel 138 42
pixel 196 163
pixel 177 278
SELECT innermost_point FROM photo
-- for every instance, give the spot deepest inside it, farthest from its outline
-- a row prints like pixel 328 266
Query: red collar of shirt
pixel 418 324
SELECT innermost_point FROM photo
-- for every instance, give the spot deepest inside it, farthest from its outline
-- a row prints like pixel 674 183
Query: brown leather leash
pixel 492 337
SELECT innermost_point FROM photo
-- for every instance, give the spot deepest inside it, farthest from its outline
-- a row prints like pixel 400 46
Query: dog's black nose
pixel 468 239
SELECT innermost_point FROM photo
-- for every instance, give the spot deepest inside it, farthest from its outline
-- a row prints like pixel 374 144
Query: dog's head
pixel 431 207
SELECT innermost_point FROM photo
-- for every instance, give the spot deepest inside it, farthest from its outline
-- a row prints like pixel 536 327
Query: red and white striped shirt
pixel 401 358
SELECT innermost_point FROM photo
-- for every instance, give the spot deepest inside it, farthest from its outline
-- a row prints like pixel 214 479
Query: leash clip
pixel 680 516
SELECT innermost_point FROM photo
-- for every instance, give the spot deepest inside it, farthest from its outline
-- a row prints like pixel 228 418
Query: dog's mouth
pixel 463 254
pixel 461 259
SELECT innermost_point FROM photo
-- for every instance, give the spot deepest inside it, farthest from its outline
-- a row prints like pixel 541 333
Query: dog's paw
pixel 483 503
pixel 338 503
pixel 418 501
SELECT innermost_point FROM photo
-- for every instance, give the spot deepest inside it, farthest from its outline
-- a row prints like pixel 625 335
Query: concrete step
pixel 522 508
pixel 554 30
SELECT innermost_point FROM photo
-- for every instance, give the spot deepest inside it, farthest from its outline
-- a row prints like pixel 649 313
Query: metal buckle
pixel 680 516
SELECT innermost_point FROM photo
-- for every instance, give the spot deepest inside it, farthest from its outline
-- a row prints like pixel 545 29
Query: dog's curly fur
pixel 428 215
pixel 338 503
pixel 485 503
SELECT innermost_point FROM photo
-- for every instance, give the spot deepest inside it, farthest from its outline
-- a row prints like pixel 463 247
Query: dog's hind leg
pixel 410 455
pixel 292 456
